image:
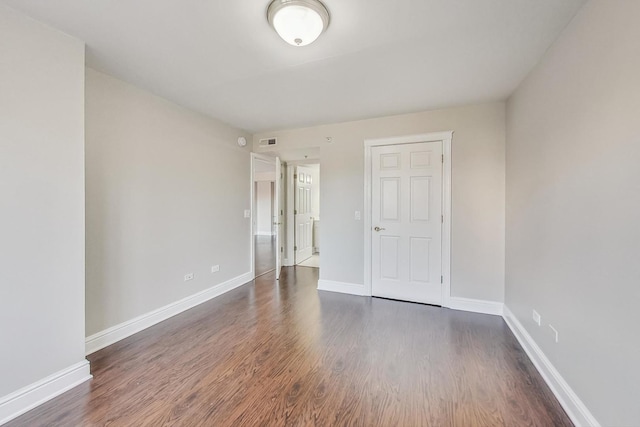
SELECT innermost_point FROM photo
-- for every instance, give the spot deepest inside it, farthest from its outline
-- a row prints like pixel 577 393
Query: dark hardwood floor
pixel 265 254
pixel 286 354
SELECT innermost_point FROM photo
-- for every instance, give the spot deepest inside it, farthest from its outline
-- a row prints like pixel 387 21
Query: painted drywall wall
pixel 264 208
pixel 166 191
pixel 573 203
pixel 41 201
pixel 477 269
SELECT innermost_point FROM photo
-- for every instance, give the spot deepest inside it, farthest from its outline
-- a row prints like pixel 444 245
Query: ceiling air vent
pixel 266 142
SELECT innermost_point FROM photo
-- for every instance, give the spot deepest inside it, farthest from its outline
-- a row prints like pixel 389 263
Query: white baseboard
pixel 264 233
pixel 571 403
pixel 475 305
pixel 341 287
pixel 27 398
pixel 111 335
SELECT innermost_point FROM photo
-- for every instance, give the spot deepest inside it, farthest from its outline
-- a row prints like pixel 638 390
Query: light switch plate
pixel 536 317
pixel 357 216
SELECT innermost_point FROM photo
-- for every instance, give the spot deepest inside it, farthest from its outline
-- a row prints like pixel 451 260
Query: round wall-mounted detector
pixel 329 139
pixel 242 141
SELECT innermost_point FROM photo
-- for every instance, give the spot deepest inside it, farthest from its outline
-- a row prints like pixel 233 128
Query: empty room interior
pixel 319 212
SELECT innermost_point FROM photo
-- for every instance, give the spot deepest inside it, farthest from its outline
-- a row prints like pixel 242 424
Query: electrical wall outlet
pixel 357 216
pixel 247 213
pixel 188 277
pixel 536 317
pixel 215 268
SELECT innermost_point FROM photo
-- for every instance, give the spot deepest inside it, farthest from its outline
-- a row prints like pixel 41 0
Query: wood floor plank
pixel 282 353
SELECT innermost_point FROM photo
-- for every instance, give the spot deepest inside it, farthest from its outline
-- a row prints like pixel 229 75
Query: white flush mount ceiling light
pixel 298 22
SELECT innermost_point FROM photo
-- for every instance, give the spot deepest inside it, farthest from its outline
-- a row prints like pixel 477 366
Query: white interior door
pixel 406 215
pixel 278 215
pixel 302 213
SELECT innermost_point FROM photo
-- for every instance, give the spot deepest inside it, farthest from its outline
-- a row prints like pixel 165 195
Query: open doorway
pixel 307 215
pixel 264 217
pixel 292 238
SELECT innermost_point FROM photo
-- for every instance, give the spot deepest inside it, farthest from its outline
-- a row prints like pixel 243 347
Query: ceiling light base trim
pixel 298 22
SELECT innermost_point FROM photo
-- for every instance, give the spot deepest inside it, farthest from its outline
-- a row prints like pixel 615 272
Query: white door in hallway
pixel 303 219
pixel 278 215
pixel 406 219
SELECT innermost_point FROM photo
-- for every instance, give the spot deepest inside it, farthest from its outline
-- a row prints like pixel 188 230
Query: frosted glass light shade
pixel 298 22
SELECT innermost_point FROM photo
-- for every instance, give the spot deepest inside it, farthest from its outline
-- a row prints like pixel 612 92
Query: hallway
pixel 283 353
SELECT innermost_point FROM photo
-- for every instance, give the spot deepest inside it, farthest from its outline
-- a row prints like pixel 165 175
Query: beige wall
pixel 478 185
pixel 573 204
pixel 41 201
pixel 166 193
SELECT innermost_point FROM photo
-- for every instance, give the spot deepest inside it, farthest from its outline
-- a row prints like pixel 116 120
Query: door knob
pixel 379 229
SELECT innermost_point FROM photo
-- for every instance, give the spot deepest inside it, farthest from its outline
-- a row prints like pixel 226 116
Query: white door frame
pixel 255 157
pixel 290 253
pixel 445 137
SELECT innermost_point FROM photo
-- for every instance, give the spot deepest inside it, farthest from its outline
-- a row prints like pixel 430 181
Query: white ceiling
pixel 378 57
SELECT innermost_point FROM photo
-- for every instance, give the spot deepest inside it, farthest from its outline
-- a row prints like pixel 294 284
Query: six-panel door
pixel 303 219
pixel 406 234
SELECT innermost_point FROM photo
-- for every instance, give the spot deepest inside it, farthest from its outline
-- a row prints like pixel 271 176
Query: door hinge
pixel 441 279
pixel 295 248
pixel 295 176
pixel 295 211
pixel 281 248
pixel 443 158
pixel 442 219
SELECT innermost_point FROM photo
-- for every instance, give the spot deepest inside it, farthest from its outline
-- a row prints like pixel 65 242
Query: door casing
pixel 446 138
pixel 298 207
pixel 289 258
